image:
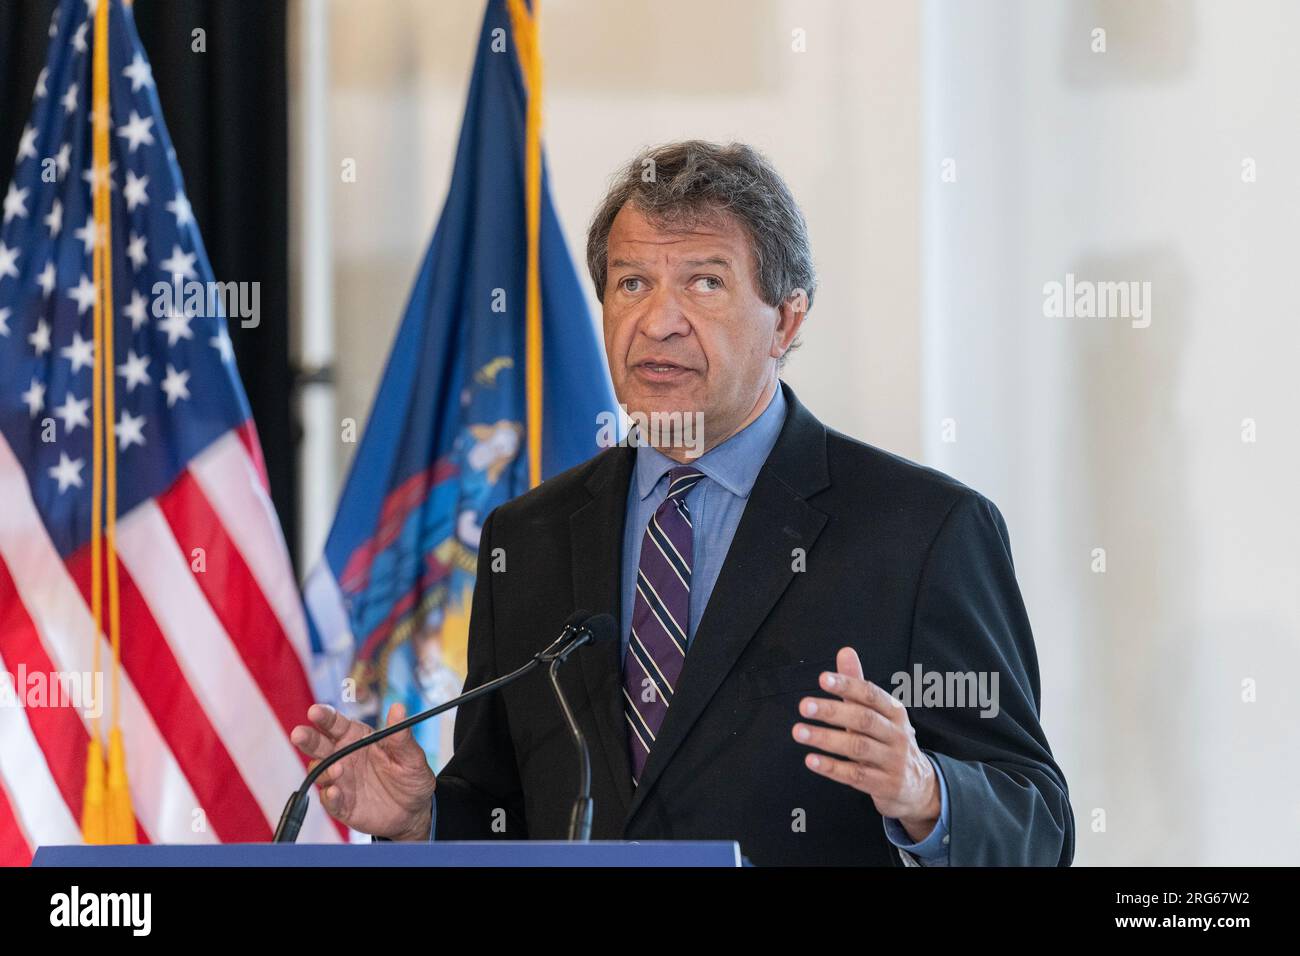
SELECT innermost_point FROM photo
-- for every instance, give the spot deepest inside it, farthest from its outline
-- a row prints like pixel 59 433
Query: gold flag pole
pixel 524 25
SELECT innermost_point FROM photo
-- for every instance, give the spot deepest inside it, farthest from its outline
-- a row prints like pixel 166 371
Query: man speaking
pixel 772 591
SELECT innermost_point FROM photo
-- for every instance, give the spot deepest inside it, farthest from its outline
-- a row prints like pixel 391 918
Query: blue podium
pixel 523 853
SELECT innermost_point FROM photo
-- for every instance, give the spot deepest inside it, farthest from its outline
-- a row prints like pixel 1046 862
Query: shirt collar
pixel 734 464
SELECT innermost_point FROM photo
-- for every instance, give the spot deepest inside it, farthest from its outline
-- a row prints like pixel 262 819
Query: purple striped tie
pixel 660 618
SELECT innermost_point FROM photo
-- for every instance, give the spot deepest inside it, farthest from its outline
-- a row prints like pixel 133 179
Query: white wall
pixel 1091 433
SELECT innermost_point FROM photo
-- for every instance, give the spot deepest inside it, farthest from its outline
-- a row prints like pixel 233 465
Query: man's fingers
pixel 396 714
pixel 855 775
pixel 395 743
pixel 321 737
pixel 847 663
pixel 311 741
pixel 856 747
pixel 331 798
pixel 850 716
pixel 863 692
pixel 328 721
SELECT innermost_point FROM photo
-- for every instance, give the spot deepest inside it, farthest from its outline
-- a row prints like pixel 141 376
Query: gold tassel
pixel 121 816
pixel 94 810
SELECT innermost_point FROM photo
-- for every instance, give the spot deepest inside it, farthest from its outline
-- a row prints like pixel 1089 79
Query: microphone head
pixel 582 628
pixel 601 627
pixel 576 620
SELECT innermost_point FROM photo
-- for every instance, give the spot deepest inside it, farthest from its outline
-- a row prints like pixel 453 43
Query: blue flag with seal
pixel 496 380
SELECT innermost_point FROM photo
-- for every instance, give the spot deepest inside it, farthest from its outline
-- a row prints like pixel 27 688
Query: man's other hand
pixel 871 730
pixel 385 789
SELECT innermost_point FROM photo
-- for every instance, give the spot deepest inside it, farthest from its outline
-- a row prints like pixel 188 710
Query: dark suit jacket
pixel 903 563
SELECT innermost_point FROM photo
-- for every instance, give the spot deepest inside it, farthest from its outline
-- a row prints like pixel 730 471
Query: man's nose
pixel 664 316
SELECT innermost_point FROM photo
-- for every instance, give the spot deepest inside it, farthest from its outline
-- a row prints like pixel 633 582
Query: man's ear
pixel 793 310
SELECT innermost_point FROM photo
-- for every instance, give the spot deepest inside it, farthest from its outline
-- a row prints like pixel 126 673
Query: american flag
pixel 214 648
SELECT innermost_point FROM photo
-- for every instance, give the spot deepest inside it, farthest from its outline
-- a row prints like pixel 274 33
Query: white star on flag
pixel 135 191
pixel 4 321
pixel 8 261
pixel 46 280
pixel 27 145
pixel 135 251
pixel 40 339
pixel 34 397
pixel 73 412
pixel 129 431
pixel 177 326
pixel 139 73
pixel 54 220
pixel 180 207
pixel 174 385
pixel 135 370
pixel 221 342
pixel 87 235
pixel 81 353
pixel 179 263
pixel 135 310
pixel 67 472
pixel 15 203
pixel 136 131
pixel 84 294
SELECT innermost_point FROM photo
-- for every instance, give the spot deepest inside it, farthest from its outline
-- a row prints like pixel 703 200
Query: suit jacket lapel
pixel 758 569
pixel 596 536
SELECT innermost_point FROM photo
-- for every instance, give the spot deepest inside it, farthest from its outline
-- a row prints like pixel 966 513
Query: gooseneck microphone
pixel 580 629
pixel 598 628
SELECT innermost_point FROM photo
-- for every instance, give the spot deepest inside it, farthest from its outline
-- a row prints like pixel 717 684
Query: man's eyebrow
pixel 708 261
pixel 722 261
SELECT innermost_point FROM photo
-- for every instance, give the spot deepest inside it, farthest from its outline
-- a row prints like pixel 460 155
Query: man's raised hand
pixel 385 789
pixel 870 730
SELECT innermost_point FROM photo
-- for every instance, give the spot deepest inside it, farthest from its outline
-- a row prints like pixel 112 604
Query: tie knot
pixel 681 480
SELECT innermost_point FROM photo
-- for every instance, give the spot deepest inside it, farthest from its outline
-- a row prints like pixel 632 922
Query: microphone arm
pixel 580 818
pixel 575 634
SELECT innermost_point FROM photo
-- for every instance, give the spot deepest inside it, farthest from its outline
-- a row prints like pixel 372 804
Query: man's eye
pixel 708 283
pixel 630 284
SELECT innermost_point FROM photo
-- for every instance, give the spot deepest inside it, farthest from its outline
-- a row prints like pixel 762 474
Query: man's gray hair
pixel 679 185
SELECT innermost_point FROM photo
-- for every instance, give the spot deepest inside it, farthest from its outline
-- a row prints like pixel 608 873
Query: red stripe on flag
pixel 14 850
pixel 235 597
pixel 247 433
pixel 231 809
pixel 58 731
pixel 396 509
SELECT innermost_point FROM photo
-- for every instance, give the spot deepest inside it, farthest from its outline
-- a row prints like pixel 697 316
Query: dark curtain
pixel 226 109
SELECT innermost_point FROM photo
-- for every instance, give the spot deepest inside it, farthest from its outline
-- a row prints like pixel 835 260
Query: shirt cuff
pixel 933 850
pixel 433 822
